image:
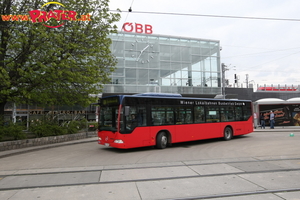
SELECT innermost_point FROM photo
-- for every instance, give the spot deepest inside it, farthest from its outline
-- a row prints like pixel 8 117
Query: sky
pixel 267 51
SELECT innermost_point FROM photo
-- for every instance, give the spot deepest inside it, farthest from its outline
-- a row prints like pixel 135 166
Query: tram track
pixel 150 179
pixel 101 172
pixel 214 196
pixel 157 166
pixel 180 198
pixel 238 194
pixel 138 180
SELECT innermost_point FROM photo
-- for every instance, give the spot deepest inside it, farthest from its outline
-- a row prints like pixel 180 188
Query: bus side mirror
pixel 127 110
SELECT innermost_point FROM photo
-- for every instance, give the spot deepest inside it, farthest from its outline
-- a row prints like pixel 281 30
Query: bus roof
pixel 169 96
pixel 158 94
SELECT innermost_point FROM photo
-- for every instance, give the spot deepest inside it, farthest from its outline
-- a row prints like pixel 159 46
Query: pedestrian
pixel 272 119
pixel 262 120
pixel 297 119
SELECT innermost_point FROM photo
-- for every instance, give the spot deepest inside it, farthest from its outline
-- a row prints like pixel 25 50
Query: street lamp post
pixel 224 68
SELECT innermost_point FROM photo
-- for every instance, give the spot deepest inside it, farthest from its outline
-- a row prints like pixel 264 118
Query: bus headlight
pixel 119 141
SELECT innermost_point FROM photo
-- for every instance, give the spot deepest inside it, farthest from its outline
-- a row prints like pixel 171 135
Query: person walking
pixel 272 119
pixel 262 120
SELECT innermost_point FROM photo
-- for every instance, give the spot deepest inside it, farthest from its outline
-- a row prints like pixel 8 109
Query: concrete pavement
pixel 290 129
pixel 226 179
pixel 247 178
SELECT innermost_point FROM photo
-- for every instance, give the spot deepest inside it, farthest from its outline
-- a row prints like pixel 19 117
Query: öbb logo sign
pixel 138 28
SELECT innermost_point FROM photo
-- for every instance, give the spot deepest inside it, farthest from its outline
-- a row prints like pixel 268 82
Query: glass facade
pixel 156 63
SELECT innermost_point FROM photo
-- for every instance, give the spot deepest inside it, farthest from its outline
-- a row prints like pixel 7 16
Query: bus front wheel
pixel 228 134
pixel 161 140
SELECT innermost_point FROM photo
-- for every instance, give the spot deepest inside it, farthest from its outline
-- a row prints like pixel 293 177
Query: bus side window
pixel 224 114
pixel 188 118
pixel 238 113
pixel 179 115
pixel 230 113
pixel 141 116
pixel 184 115
pixel 156 115
pixel 246 111
pixel 199 114
pixel 154 119
pixel 137 117
pixel 212 114
pixel 162 115
pixel 130 121
pixel 169 116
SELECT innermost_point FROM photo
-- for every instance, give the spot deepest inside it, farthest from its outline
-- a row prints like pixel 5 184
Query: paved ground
pixel 294 130
pixel 227 179
pixel 263 177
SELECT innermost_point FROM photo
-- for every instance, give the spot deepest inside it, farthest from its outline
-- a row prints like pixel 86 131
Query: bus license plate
pixel 106 144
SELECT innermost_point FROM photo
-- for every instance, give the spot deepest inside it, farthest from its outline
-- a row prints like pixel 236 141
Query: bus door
pixel 135 123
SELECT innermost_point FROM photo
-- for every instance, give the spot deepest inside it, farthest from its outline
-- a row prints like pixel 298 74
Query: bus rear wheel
pixel 228 134
pixel 161 140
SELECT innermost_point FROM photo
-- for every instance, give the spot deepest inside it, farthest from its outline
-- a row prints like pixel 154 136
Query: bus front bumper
pixel 116 143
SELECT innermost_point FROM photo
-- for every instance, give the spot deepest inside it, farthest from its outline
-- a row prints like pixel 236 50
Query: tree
pixel 54 66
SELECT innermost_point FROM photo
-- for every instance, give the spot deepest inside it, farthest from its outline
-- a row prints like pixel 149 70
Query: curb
pixel 8 153
pixel 277 130
pixel 11 152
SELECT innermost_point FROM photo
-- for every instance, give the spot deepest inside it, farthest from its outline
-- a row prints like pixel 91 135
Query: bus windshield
pixel 108 118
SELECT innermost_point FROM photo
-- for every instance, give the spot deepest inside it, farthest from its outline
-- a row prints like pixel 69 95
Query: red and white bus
pixel 151 119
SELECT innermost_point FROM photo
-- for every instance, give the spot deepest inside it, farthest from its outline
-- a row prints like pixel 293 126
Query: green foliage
pixel 46 128
pixel 82 123
pixel 12 131
pixel 73 127
pixel 55 66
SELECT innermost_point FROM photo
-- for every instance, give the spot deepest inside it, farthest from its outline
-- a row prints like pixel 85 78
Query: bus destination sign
pixel 211 103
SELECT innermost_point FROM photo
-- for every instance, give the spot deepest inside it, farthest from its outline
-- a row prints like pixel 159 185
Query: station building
pixel 164 64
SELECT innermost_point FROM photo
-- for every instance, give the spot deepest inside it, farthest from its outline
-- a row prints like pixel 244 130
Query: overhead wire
pixel 219 16
pixel 264 52
pixel 129 10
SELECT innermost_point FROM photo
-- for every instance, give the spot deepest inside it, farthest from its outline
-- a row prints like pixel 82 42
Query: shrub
pixel 45 129
pixel 82 124
pixel 74 127
pixel 12 131
pixel 51 128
